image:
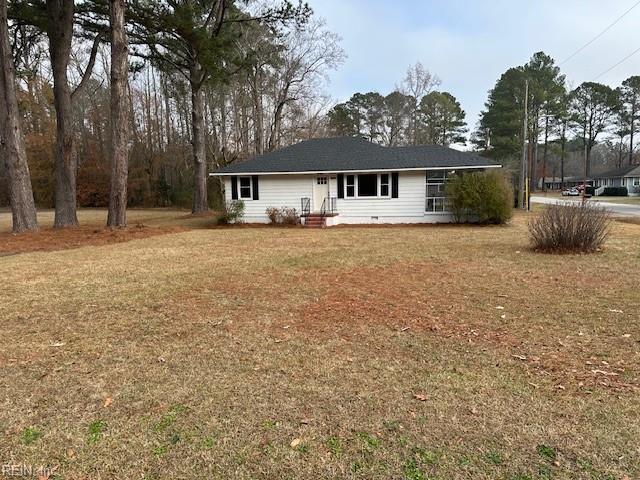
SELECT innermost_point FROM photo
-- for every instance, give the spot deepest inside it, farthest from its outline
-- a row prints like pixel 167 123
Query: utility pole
pixel 586 167
pixel 523 200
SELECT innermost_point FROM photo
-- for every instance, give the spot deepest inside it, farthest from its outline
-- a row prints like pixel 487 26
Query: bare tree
pixel 117 216
pixel 12 144
pixel 308 53
pixel 417 83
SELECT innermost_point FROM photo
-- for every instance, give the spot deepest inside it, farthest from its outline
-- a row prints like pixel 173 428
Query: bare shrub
pixel 274 215
pixel 283 216
pixel 289 216
pixel 569 228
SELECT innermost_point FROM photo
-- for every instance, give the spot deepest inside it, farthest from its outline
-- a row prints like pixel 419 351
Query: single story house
pixel 556 183
pixel 628 176
pixel 349 180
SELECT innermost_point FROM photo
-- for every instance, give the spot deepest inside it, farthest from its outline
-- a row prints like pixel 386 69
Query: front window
pixel 636 182
pixel 368 185
pixel 384 184
pixel 351 186
pixel 436 201
pixel 245 187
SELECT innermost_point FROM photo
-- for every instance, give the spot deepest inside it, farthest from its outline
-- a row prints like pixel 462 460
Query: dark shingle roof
pixel 349 153
pixel 628 171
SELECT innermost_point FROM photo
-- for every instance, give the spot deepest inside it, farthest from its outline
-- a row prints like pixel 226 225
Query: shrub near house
pixel 482 197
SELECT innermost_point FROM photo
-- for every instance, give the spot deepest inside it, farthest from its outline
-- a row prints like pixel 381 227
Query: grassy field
pixel 437 352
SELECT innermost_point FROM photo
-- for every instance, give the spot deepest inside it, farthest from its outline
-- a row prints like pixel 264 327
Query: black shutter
pixel 341 185
pixel 234 188
pixel 254 181
pixel 394 185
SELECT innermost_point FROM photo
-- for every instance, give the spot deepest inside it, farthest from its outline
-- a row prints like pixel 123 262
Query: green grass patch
pixel 29 435
pixel 96 430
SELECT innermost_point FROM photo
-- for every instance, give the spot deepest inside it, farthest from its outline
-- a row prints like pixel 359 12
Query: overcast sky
pixel 470 43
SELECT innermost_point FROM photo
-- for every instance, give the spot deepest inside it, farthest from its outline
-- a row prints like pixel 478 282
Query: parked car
pixel 570 192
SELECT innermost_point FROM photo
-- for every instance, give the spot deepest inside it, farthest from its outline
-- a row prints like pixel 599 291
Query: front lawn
pixel 351 352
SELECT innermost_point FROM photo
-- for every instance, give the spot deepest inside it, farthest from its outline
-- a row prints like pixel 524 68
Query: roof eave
pixel 316 172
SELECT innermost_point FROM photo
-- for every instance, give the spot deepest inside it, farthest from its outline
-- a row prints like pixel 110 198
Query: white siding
pixel 409 207
pixel 274 191
pixel 287 190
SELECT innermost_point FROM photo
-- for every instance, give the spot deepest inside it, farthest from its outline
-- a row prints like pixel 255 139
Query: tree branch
pixel 87 72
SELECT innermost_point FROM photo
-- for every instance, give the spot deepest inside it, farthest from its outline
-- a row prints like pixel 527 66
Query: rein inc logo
pixel 22 470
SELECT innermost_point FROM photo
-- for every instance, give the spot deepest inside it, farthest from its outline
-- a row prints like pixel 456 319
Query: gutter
pixel 314 172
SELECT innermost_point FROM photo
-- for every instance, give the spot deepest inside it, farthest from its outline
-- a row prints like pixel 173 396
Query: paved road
pixel 618 209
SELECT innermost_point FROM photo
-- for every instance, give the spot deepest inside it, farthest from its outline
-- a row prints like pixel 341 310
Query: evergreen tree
pixel 442 119
pixel 630 102
pixel 593 108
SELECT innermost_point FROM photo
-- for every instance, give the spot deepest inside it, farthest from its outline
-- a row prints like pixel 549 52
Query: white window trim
pixel 378 189
pixel 240 197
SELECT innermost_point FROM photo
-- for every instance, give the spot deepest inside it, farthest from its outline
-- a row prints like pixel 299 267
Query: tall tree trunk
pixel 12 146
pixel 256 93
pixel 117 216
pixel 60 32
pixel 633 127
pixel 200 202
pixel 544 153
pixel 563 144
pixel 274 137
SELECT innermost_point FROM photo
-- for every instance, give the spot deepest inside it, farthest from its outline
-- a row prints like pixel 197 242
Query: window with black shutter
pixel 245 187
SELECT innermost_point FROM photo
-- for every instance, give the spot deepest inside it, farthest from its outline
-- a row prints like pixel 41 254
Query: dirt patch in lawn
pixel 48 239
pixel 443 300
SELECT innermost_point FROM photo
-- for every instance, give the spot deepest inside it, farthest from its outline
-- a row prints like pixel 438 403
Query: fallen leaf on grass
pixel 107 402
pixel 519 357
pixel 420 396
pixel 57 344
pixel 295 442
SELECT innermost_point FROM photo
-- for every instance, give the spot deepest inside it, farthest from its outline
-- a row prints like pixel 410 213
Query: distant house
pixel 349 180
pixel 628 176
pixel 557 183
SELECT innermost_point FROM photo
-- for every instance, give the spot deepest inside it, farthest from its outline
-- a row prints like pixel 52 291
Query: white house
pixel 349 180
pixel 628 177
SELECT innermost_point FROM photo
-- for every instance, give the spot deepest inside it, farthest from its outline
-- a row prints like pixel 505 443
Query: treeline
pixel 207 83
pixel 413 114
pixel 569 132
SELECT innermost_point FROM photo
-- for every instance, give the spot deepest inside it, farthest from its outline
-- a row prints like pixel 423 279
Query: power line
pixel 620 62
pixel 600 34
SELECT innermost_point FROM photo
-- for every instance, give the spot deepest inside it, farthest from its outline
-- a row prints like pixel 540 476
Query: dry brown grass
pixel 92 230
pixel 206 353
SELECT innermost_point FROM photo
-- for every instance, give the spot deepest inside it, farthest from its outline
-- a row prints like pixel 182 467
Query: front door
pixel 320 191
